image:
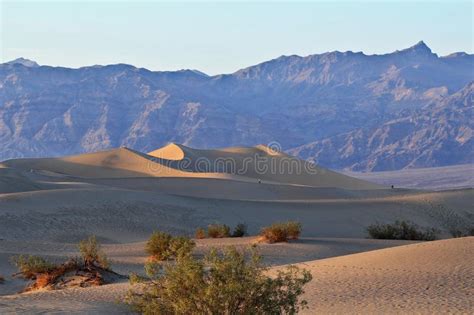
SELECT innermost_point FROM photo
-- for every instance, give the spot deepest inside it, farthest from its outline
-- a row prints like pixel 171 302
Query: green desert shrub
pixel 223 282
pixel 281 232
pixel 30 266
pixel 240 230
pixel 158 245
pixel 218 231
pixel 200 233
pixel 92 253
pixel 293 229
pixel 401 230
pixel 274 233
pixel 181 245
pixel 461 232
pixel 163 246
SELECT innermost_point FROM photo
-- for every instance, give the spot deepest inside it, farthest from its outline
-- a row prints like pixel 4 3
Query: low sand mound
pixel 425 278
pixel 116 163
pixel 12 180
pixel 16 180
pixel 112 163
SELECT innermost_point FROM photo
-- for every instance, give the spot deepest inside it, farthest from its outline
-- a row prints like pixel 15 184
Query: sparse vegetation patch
pixel 223 282
pixel 240 230
pixel 218 231
pixel 401 230
pixel 221 231
pixel 91 268
pixel 461 231
pixel 163 246
pixel 281 232
pixel 200 233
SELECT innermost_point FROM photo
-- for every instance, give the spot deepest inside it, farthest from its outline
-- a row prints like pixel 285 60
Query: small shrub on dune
pixel 293 229
pixel 200 233
pixel 240 230
pixel 461 232
pixel 92 253
pixel 180 245
pixel 30 266
pixel 401 230
pixel 163 246
pixel 158 245
pixel 224 282
pixel 281 232
pixel 275 233
pixel 91 268
pixel 218 231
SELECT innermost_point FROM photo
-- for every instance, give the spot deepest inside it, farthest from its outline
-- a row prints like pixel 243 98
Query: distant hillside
pixel 438 134
pixel 320 107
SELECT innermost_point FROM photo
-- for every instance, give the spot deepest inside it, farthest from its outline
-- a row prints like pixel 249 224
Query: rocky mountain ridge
pixel 299 102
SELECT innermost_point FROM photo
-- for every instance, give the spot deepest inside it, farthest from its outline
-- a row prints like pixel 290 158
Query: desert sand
pixel 121 195
pixel 433 178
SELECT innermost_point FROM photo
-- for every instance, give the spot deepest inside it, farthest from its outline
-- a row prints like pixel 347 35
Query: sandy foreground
pixel 121 196
pixel 422 278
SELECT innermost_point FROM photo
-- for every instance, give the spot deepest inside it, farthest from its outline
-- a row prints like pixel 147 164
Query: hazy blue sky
pixel 223 37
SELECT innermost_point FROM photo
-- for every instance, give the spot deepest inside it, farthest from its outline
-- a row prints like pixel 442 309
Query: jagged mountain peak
pixel 23 61
pixel 419 48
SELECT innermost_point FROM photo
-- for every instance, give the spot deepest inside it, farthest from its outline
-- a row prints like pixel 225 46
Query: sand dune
pixel 130 257
pixel 426 278
pixel 258 164
pixel 123 215
pixel 122 195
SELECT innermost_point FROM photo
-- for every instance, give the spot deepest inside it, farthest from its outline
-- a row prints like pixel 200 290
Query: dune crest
pixel 171 151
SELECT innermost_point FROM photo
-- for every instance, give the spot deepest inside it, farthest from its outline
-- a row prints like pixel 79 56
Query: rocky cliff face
pixel 299 102
pixel 438 134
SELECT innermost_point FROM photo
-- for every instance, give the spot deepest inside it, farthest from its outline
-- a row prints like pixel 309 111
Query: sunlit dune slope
pixel 426 278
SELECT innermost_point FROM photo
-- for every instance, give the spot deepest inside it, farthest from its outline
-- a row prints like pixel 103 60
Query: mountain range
pixel 343 110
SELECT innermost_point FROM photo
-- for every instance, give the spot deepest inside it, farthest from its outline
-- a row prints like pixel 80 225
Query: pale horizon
pixel 219 38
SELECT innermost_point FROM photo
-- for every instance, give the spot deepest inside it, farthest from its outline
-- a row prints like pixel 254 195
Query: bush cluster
pixel 240 230
pixel 218 231
pixel 401 230
pixel 200 233
pixel 281 232
pixel 164 246
pixel 223 282
pixel 221 231
pixel 29 266
pixel 92 254
pixel 461 232
pixel 34 267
